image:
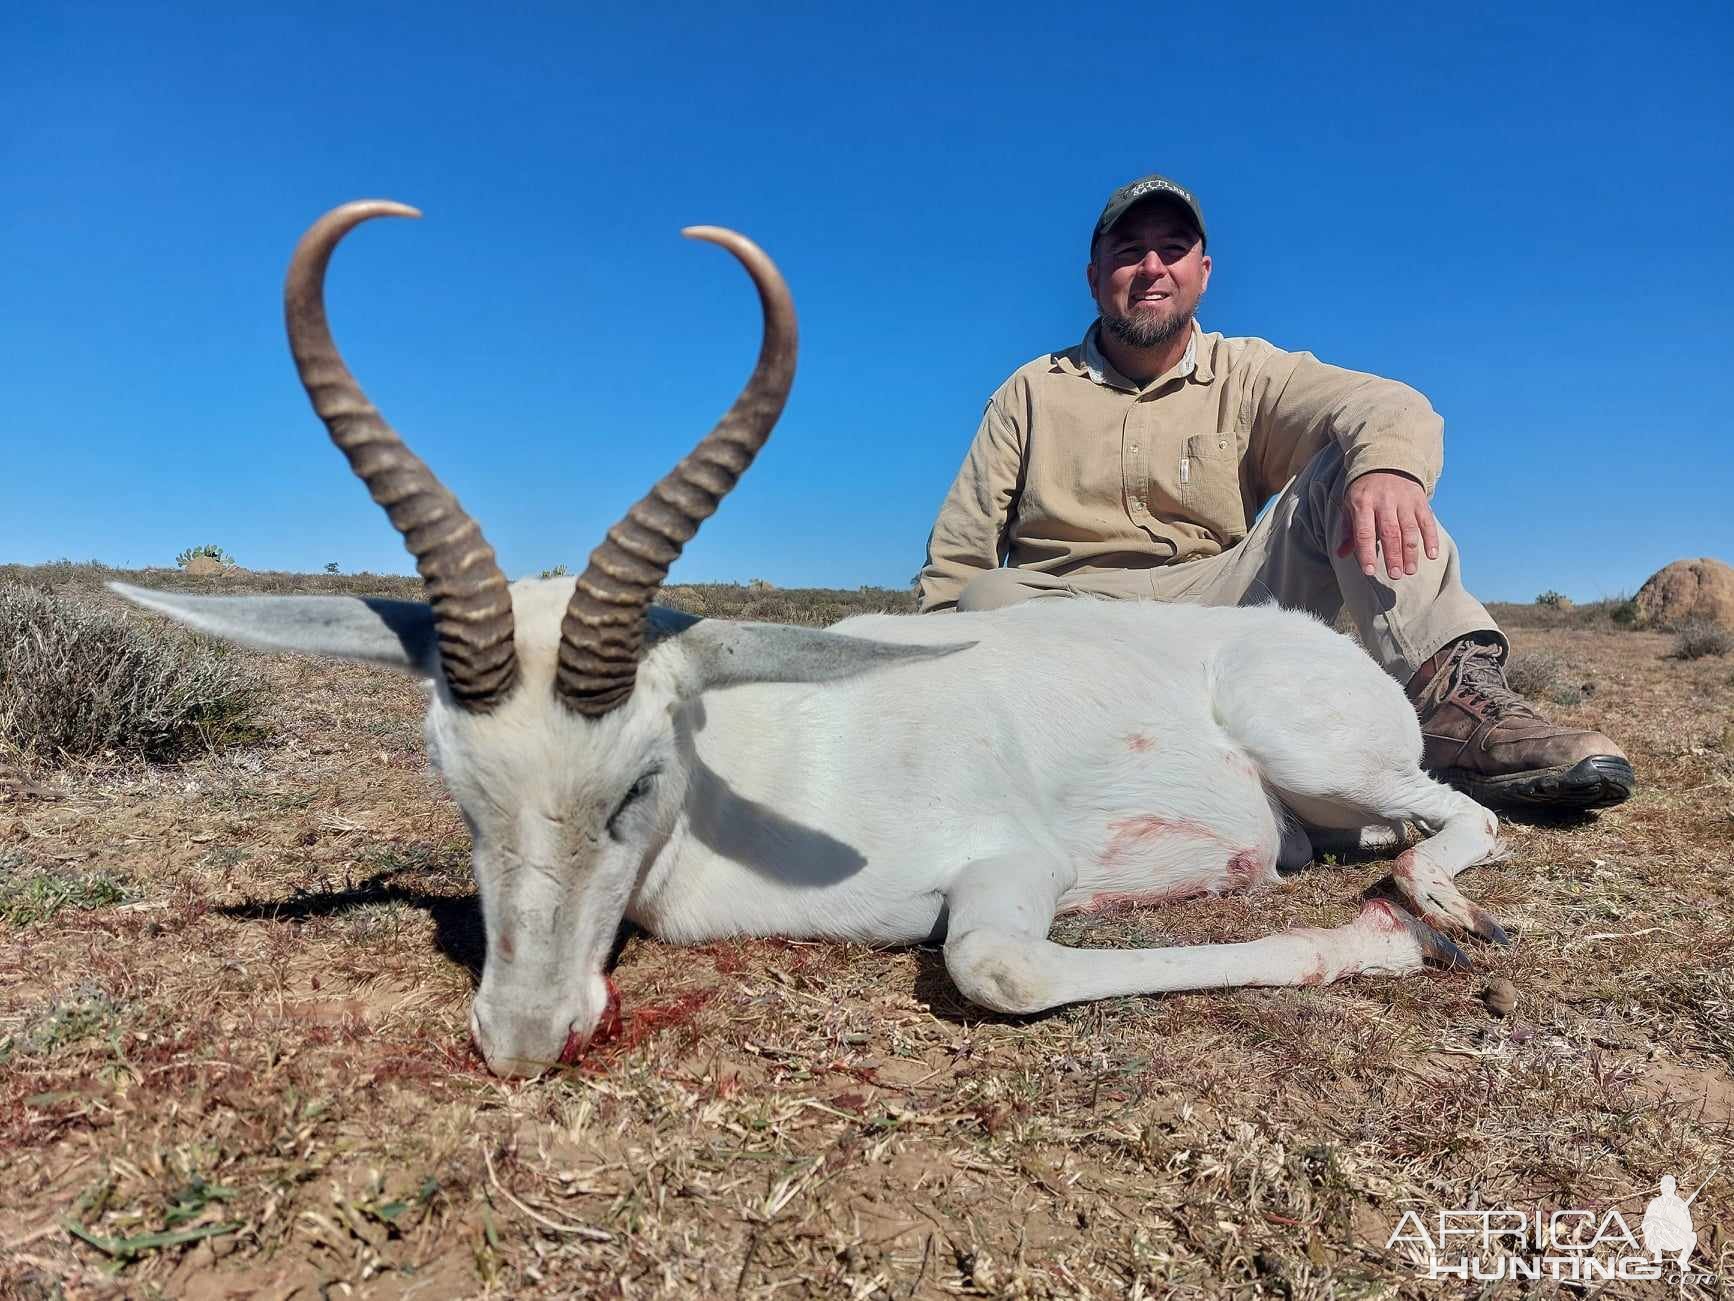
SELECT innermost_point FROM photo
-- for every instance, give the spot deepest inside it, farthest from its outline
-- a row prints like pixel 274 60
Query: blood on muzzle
pixel 606 1029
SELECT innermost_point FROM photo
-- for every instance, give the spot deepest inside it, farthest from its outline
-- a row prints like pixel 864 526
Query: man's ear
pixel 398 634
pixel 1204 280
pixel 1090 274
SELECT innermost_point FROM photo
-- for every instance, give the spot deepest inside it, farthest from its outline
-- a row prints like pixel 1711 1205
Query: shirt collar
pixel 1195 364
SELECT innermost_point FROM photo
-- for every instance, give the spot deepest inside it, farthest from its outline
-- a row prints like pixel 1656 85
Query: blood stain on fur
pixel 1239 763
pixel 1403 870
pixel 1245 870
pixel 1132 835
pixel 1381 915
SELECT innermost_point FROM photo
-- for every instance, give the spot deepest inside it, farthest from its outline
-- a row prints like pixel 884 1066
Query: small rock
pixel 1500 996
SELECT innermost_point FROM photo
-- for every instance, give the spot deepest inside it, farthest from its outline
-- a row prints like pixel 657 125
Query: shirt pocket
pixel 1210 485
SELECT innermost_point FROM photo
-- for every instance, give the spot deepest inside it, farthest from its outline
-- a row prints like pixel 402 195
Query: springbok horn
pixel 602 634
pixel 471 604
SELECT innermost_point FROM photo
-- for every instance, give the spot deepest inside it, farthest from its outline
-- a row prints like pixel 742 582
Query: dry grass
pixel 73 578
pixel 1616 612
pixel 807 605
pixel 250 1073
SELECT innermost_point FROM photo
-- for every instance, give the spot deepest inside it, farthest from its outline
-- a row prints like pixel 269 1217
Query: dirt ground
pixel 234 1062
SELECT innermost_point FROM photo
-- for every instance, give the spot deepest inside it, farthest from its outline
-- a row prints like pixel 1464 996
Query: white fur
pixel 1124 749
pixel 1075 754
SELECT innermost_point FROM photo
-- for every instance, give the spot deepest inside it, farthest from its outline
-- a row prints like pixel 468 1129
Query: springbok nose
pixel 523 1041
pixel 519 1046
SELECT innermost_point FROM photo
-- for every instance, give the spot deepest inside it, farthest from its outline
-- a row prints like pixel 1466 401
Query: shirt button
pixel 1134 447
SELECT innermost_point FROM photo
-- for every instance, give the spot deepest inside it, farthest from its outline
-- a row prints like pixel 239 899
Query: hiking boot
pixel 1489 742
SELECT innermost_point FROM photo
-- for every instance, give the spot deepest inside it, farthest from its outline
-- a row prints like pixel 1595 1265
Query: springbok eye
pixel 640 788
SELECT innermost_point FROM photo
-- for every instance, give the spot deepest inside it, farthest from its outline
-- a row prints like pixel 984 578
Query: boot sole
pixel 1598 782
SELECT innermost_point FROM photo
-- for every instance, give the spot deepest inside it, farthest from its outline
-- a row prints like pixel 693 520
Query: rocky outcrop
pixel 1688 591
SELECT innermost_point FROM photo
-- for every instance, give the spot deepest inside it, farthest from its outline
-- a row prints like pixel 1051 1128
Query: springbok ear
pixel 398 634
pixel 725 654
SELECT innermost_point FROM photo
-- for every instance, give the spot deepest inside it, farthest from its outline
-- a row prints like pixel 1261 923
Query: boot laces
pixel 1479 680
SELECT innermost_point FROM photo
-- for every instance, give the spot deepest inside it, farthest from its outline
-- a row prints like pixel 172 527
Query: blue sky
pixel 1522 210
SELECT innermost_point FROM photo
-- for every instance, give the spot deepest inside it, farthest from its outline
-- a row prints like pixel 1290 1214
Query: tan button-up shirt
pixel 1077 469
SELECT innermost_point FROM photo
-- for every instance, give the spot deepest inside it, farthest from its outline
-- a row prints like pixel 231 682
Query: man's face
pixel 1148 273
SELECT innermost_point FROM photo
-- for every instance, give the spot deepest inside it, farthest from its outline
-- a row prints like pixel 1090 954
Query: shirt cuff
pixel 1365 460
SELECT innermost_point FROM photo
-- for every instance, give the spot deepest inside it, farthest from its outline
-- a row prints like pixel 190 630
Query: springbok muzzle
pixel 517 1041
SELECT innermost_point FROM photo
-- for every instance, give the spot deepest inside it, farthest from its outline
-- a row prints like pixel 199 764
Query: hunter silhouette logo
pixel 1575 1245
pixel 1668 1227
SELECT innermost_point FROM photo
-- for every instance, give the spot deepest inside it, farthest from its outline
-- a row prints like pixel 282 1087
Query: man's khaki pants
pixel 1289 557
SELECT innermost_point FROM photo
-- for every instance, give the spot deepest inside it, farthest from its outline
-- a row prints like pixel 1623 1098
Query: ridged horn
pixel 471 604
pixel 602 635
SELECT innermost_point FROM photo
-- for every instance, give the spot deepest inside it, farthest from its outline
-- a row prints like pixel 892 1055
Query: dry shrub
pixel 1541 675
pixel 80 682
pixel 1533 673
pixel 1568 693
pixel 1696 640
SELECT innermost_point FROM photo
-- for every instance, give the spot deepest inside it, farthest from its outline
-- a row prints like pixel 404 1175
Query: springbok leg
pixel 1426 874
pixel 1346 753
pixel 997 951
pixel 1464 833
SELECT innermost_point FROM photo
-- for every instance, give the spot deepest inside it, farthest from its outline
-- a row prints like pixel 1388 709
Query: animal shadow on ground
pixel 1557 819
pixel 457 919
pixel 458 930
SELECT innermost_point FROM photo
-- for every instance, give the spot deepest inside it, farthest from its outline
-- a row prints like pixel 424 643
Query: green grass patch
pixel 81 1014
pixel 34 895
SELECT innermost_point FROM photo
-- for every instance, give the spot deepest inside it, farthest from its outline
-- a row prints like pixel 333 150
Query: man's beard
pixel 1146 331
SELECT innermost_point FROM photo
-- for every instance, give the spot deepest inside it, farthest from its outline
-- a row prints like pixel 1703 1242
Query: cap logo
pixel 1135 192
pixel 1138 189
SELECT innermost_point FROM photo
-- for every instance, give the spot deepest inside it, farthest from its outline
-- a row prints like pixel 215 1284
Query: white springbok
pixel 894 779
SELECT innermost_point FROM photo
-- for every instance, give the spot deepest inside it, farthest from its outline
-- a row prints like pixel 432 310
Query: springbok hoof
pixel 1487 929
pixel 1436 949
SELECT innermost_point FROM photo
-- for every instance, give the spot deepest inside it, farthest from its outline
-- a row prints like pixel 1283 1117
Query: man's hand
pixel 1390 510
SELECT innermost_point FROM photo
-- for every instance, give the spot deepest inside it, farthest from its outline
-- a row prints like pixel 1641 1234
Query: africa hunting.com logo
pixel 1576 1245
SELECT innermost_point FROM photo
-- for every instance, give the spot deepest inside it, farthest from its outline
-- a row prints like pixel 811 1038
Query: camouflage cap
pixel 1135 192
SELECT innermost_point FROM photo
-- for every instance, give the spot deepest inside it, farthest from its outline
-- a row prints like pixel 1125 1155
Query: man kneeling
pixel 1130 466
